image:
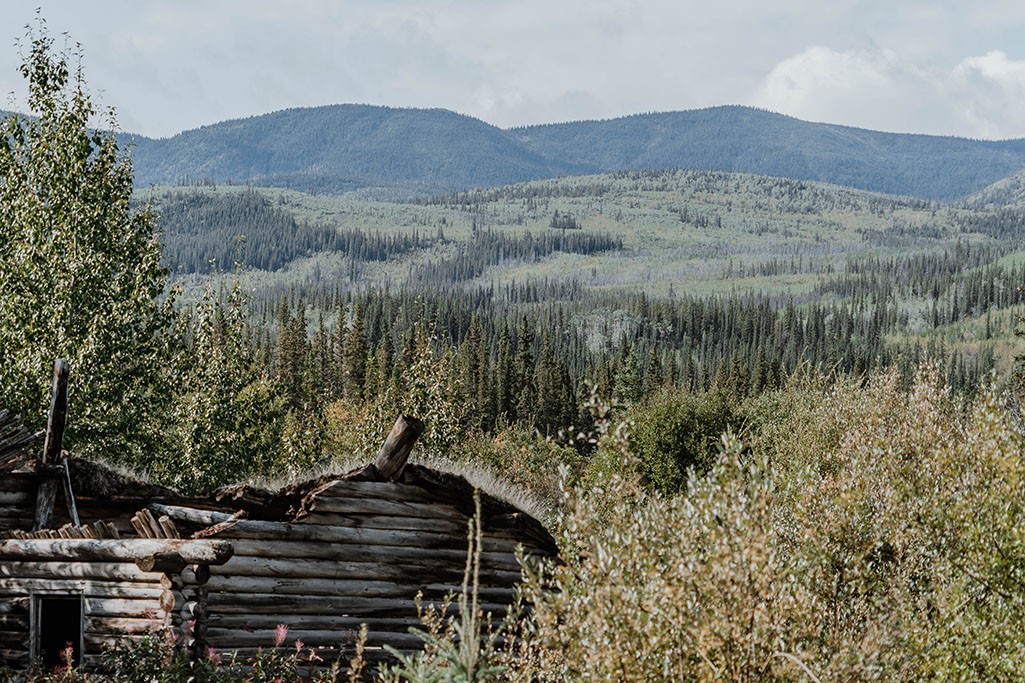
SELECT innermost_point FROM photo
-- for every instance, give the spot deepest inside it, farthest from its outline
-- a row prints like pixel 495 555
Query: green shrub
pixel 673 433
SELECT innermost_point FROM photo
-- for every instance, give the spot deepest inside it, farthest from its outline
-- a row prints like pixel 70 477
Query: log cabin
pixel 89 556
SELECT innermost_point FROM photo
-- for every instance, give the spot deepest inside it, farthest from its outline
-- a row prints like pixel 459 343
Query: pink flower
pixel 299 645
pixel 280 633
pixel 211 655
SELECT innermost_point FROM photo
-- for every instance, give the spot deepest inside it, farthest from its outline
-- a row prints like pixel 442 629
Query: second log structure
pixel 224 570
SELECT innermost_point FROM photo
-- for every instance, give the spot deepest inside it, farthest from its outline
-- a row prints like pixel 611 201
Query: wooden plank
pixel 128 549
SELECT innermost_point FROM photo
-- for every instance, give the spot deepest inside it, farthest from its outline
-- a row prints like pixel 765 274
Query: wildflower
pixel 211 655
pixel 280 633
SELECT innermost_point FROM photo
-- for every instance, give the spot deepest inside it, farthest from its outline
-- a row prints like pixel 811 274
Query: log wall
pixel 118 599
pixel 17 502
pixel 360 554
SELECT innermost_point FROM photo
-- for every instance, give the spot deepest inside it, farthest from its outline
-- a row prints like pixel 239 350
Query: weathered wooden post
pixel 391 459
pixel 47 494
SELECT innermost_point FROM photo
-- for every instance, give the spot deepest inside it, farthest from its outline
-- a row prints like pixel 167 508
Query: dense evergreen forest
pixel 900 281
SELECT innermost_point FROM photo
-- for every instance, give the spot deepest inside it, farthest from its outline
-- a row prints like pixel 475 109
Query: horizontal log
pixel 191 515
pixel 122 624
pixel 423 571
pixel 304 531
pixel 13 512
pixel 119 607
pixel 327 655
pixel 89 588
pixel 18 497
pixel 112 571
pixel 368 553
pixel 223 639
pixel 382 490
pixel 129 549
pixel 233 588
pixel 246 623
pixel 13 603
pixel 392 508
pixel 438 525
pixel 367 608
pixel 14 621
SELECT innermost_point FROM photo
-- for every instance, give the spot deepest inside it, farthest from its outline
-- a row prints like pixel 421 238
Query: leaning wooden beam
pixel 125 549
pixel 47 494
pixel 58 413
pixel 391 459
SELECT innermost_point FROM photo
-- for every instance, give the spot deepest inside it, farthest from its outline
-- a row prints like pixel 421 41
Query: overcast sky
pixel 951 67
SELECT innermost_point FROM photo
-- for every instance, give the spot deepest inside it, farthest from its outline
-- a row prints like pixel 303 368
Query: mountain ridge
pixel 348 147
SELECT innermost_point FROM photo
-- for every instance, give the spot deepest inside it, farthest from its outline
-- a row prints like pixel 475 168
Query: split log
pixel 128 549
pixel 391 459
pixel 170 530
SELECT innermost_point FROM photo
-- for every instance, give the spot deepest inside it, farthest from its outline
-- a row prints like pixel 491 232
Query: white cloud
pixel 887 64
pixel 877 88
pixel 988 92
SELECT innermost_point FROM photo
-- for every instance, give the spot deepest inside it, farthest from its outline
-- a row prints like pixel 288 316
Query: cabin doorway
pixel 57 626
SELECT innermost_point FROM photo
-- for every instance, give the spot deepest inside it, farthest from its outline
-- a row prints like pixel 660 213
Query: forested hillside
pixel 345 147
pixel 762 142
pixel 695 281
pixel 400 152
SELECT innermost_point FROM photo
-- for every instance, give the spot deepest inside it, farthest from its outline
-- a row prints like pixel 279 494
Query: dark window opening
pixel 59 624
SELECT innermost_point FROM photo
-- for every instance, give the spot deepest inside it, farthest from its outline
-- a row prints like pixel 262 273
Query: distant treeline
pixel 208 232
